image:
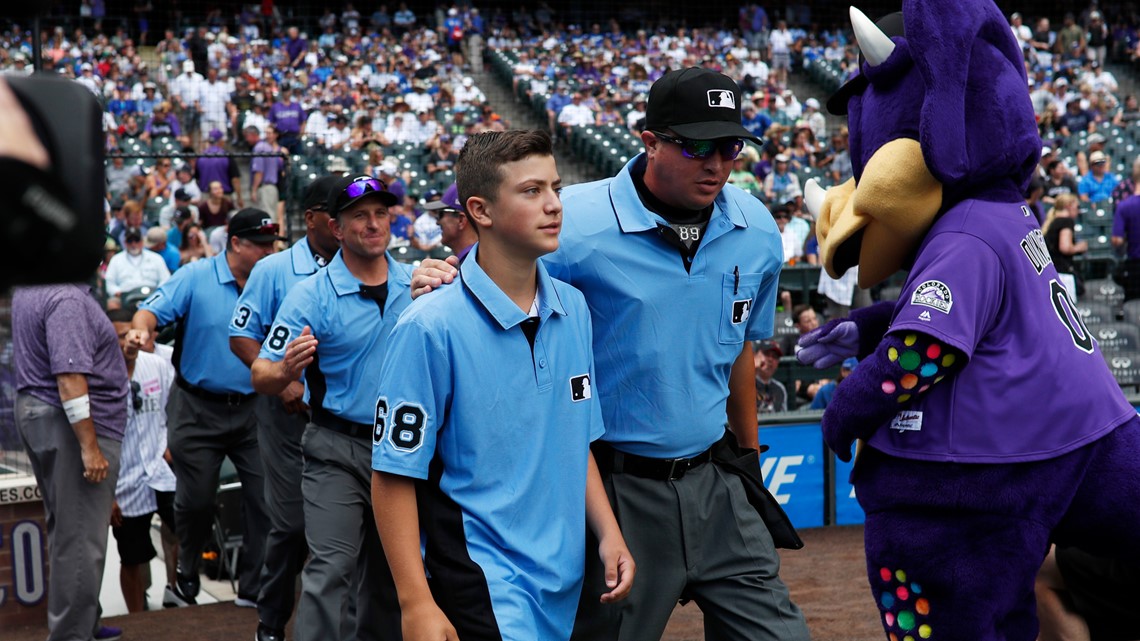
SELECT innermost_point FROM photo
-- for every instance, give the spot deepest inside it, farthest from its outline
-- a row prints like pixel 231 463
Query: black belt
pixel 662 469
pixel 229 398
pixel 328 420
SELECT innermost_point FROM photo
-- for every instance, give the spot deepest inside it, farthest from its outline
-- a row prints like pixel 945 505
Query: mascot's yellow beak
pixel 887 213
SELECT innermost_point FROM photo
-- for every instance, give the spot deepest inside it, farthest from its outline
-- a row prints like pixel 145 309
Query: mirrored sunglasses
pixel 729 148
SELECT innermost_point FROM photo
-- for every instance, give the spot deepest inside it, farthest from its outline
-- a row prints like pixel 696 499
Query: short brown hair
pixel 477 170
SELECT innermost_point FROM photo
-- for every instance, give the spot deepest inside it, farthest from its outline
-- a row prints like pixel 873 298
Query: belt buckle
pixel 677 468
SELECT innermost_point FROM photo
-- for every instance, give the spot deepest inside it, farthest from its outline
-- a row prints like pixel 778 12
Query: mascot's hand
pixel 829 345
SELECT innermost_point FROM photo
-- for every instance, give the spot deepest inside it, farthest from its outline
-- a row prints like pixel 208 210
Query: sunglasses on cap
pixel 136 395
pixel 362 186
pixel 729 148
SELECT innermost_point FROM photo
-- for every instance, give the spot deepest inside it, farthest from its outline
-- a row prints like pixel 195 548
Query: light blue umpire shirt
pixel 271 279
pixel 202 296
pixel 665 339
pixel 351 331
pixel 509 430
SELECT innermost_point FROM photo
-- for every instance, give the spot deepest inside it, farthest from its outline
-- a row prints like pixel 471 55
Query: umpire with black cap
pixel 210 414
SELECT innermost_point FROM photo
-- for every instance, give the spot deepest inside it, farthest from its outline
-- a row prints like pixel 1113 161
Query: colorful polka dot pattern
pixel 923 367
pixel 904 609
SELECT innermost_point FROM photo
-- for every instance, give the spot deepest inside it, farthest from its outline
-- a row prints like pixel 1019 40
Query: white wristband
pixel 77 409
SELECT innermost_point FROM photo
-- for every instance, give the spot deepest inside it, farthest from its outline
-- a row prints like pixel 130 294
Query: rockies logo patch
pixel 580 388
pixel 741 310
pixel 933 294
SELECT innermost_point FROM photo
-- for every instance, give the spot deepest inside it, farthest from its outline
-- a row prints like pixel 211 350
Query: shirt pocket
pixel 738 301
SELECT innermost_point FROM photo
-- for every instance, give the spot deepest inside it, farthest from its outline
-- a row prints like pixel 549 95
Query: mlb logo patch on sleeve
pixel 580 389
pixel 741 310
pixel 933 294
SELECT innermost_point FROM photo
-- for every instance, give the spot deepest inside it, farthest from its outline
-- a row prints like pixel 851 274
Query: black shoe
pixel 185 590
pixel 265 633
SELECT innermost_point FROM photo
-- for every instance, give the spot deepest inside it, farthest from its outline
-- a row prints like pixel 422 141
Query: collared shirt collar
pixel 344 283
pixel 497 303
pixel 634 217
pixel 302 254
pixel 222 269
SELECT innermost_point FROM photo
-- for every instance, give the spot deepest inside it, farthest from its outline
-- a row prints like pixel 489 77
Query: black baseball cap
pixel 890 24
pixel 255 225
pixel 696 103
pixel 133 234
pixel 317 195
pixel 347 191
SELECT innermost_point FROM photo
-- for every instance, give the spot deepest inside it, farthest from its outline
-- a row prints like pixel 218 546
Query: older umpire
pixel 210 412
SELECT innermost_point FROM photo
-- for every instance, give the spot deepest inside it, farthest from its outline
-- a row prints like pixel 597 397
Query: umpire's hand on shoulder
pixel 433 273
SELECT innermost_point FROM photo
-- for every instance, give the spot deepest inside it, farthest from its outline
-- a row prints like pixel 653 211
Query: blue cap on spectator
pixel 849 364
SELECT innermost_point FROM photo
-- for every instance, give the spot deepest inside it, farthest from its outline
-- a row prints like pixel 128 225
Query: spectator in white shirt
pixel 134 267
pixel 423 129
pixel 215 99
pixel 575 114
pixel 467 94
pixel 419 99
pixel 338 134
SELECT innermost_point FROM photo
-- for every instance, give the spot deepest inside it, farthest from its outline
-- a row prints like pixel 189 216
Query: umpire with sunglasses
pixel 210 413
pixel 680 272
pixel 281 419
pixel 333 328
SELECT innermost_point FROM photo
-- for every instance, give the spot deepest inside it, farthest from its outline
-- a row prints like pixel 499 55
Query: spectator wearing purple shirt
pixel 71 411
pixel 295 47
pixel 287 116
pixel 1126 234
pixel 162 124
pixel 265 173
pixel 216 165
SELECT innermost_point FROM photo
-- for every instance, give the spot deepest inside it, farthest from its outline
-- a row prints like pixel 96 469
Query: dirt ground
pixel 827 579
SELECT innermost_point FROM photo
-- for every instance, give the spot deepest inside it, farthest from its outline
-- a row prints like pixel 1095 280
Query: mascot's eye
pixel 729 148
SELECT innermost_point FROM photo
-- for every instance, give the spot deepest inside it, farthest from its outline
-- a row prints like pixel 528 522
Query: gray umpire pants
pixel 78 515
pixel 201 434
pixel 279 439
pixel 345 554
pixel 694 538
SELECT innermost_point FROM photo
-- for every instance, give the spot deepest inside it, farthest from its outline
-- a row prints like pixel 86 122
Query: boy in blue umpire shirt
pixel 281 419
pixel 484 420
pixel 333 327
pixel 210 411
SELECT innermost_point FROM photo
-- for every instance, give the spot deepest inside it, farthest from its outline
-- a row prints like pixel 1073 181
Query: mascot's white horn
pixel 813 197
pixel 873 43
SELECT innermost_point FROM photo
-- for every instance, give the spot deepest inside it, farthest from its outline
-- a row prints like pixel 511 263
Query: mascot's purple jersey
pixel 983 282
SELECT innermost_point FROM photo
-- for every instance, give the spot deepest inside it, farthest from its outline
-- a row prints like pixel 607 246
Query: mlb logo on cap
pixel 580 388
pixel 722 98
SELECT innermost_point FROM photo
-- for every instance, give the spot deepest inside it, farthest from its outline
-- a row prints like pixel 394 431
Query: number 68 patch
pixel 407 428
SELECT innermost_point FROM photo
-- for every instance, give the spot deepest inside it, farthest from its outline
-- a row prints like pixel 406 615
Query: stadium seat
pixel 1132 312
pixel 1103 290
pixel 1096 312
pixel 1116 337
pixel 1125 367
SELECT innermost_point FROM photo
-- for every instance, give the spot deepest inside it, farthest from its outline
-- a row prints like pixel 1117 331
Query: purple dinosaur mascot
pixel 991 424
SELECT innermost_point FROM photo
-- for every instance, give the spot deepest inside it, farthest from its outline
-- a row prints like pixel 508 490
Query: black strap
pixel 230 398
pixel 670 469
pixel 328 420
